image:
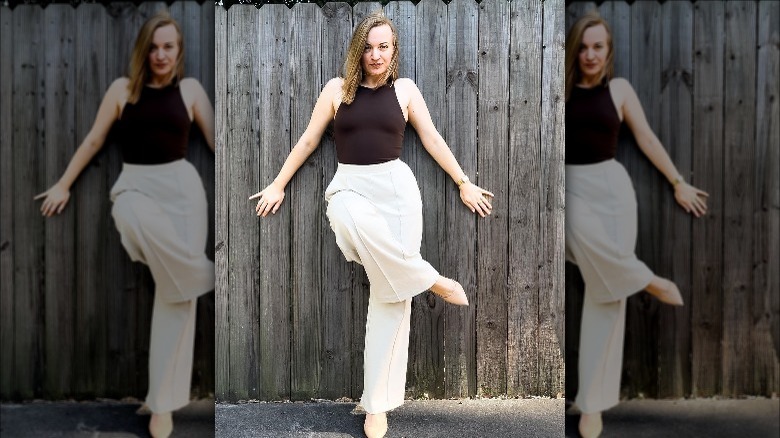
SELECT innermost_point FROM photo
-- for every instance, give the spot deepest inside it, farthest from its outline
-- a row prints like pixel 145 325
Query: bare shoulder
pixel 190 85
pixel 406 84
pixel 621 85
pixel 120 87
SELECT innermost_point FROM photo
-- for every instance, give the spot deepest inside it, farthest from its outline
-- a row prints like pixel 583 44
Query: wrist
pixel 677 181
pixel 464 180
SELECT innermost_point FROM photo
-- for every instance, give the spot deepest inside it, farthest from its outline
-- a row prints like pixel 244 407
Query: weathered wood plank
pixel 640 357
pixel 460 254
pixel 336 379
pixel 243 143
pixel 222 329
pixel 674 131
pixel 766 205
pixel 59 145
pixel 739 90
pixel 7 238
pixel 28 171
pixel 525 154
pixel 707 298
pixel 274 303
pixel 306 197
pixel 551 236
pixel 576 10
pixel 492 125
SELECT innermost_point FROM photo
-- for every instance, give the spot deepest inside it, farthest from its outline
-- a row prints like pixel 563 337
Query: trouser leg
pixel 386 354
pixel 601 354
pixel 170 354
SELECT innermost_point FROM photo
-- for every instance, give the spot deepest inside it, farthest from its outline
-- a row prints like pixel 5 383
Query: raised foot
pixel 590 425
pixel 450 291
pixel 161 425
pixel 665 291
pixel 375 425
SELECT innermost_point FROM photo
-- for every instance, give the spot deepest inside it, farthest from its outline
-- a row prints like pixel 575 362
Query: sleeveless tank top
pixel 155 129
pixel 370 130
pixel 592 126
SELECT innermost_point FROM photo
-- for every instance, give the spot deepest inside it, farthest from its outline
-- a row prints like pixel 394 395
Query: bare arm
pixel 689 197
pixel 56 197
pixel 420 118
pixel 202 111
pixel 270 198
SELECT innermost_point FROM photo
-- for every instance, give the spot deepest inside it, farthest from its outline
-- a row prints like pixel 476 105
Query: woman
pixel 159 204
pixel 374 204
pixel 601 218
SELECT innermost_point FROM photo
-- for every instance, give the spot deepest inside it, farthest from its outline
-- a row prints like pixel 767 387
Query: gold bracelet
pixel 463 180
pixel 677 180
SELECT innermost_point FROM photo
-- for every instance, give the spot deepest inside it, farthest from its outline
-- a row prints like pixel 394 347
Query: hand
pixel 54 200
pixel 476 199
pixel 691 199
pixel 270 198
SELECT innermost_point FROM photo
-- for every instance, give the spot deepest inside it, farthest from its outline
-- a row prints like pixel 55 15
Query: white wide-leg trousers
pixel 161 214
pixel 601 228
pixel 375 212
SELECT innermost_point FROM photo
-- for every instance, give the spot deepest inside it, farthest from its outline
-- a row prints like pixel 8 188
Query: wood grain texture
pixel 766 204
pixel 492 128
pixel 551 258
pixel 674 131
pixel 460 255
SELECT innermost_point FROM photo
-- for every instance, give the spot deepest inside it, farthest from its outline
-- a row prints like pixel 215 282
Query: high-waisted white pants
pixel 161 214
pixel 375 212
pixel 601 228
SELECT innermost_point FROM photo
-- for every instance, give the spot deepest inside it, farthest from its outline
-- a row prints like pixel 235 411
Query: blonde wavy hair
pixel 573 43
pixel 353 68
pixel 139 59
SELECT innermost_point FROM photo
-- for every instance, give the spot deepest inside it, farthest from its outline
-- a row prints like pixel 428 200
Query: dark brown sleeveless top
pixel 370 130
pixel 155 129
pixel 592 126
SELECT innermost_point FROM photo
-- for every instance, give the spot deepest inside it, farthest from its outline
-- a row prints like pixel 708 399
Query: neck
pixel 589 81
pixel 370 81
pixel 159 81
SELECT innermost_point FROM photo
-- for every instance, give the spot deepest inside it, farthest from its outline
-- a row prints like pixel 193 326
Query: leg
pixel 601 354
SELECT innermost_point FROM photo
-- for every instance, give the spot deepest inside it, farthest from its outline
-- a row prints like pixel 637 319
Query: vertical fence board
pixel 551 299
pixel 222 125
pixel 525 79
pixel 28 169
pixel 274 266
pixel 738 152
pixel 337 276
pixel 707 299
pixel 306 191
pixel 492 125
pixel 675 256
pixel 7 237
pixel 59 145
pixel 460 254
pixel 242 140
pixel 766 204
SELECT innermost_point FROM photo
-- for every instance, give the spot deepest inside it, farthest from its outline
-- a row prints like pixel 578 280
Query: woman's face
pixel 378 51
pixel 593 51
pixel 164 51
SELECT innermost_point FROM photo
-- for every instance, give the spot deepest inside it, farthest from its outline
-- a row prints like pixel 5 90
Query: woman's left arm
pixel 690 198
pixel 475 197
pixel 202 111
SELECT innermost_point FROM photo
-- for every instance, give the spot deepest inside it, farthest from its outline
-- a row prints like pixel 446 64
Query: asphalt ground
pixel 746 418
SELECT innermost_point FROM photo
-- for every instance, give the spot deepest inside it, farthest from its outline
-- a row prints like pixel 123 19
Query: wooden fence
pixel 290 311
pixel 75 312
pixel 707 76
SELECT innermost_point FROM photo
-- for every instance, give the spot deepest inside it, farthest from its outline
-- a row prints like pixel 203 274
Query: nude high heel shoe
pixel 590 425
pixel 454 294
pixel 378 427
pixel 668 295
pixel 161 425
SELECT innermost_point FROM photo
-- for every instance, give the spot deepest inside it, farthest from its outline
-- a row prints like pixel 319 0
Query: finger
pixel 256 195
pixel 62 207
pixel 702 193
pixel 266 209
pixel 490 206
pixel 485 192
pixel 39 196
pixel 479 209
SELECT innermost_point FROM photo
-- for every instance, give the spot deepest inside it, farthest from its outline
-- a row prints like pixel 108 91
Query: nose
pixel 375 53
pixel 589 54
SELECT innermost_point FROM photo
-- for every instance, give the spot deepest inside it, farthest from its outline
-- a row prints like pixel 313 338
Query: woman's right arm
pixel 57 196
pixel 271 197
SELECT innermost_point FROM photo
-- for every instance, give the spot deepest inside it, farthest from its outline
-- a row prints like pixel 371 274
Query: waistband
pixel 368 169
pixel 600 167
pixel 154 168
